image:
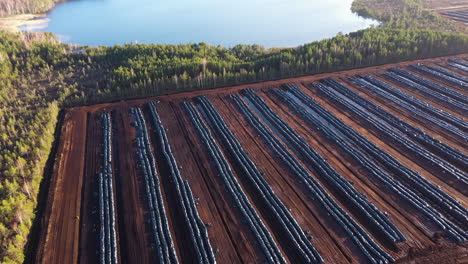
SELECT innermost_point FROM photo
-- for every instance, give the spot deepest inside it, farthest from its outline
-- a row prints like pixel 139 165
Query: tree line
pixel 30 92
pixel 134 71
pixel 14 7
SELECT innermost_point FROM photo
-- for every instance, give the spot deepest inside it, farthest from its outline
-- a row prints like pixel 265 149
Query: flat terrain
pixel 444 4
pixel 456 14
pixel 70 232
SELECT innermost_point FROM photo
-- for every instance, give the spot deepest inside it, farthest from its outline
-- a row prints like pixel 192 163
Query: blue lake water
pixel 271 23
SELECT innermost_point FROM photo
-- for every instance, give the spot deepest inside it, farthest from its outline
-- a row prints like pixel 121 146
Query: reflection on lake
pixel 272 23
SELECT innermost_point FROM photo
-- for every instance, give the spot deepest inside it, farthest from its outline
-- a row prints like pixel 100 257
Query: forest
pixel 146 70
pixel 14 7
pixel 39 76
pixel 405 14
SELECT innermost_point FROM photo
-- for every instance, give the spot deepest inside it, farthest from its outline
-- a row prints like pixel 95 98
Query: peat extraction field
pixel 459 15
pixel 362 166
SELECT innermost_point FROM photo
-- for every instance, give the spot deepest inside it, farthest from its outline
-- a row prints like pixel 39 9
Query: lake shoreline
pixel 15 22
pixel 220 26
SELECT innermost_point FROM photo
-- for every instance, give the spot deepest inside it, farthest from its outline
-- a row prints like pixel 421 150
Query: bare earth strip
pixel 60 244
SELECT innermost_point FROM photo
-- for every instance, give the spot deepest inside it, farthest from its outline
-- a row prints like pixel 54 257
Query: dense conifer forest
pixel 405 14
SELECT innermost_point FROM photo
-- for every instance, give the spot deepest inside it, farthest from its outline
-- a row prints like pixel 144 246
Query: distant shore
pixel 14 23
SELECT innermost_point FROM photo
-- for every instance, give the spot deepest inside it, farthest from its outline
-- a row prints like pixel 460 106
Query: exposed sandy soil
pixel 70 219
pixel 14 23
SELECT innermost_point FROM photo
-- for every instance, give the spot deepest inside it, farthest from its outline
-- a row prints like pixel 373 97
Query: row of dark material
pixel 436 163
pixel 461 15
pixel 431 85
pixel 373 252
pixel 402 181
pixel 458 64
pixel 186 203
pixel 358 235
pixel 445 151
pixel 326 172
pixel 450 74
pixel 410 186
pixel 383 89
pixel 422 105
pixel 288 225
pixel 439 74
pixel 394 136
pixel 323 170
pixel 251 217
pixel 379 117
pixel 458 103
pixel 107 231
pixel 164 244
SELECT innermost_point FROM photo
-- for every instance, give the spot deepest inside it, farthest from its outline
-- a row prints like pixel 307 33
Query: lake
pixel 271 23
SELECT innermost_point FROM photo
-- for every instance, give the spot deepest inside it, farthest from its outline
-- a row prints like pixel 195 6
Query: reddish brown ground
pixel 460 7
pixel 69 233
pixel 60 236
pixel 288 188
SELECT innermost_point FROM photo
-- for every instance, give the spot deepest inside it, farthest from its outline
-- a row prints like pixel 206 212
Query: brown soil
pixel 289 189
pixel 70 219
pixel 60 239
pixel 442 10
pixel 408 159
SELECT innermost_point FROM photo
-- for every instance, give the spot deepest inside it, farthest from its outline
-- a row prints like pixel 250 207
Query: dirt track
pixel 61 234
pixel 71 234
